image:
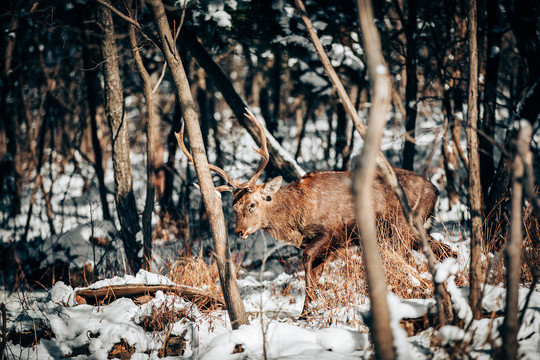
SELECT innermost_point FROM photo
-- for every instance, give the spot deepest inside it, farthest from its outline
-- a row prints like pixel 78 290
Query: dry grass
pixel 530 250
pixel 194 271
pixel 343 285
pixel 343 282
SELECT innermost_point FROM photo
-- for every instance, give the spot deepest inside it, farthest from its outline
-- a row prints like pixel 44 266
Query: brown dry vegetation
pixel 195 271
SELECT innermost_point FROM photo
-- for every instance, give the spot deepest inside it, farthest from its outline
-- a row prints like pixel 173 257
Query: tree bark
pixel 211 199
pixel 150 149
pixel 126 207
pixel 91 97
pixel 411 88
pixel 280 161
pixel 383 339
pixel 475 188
pixel 510 326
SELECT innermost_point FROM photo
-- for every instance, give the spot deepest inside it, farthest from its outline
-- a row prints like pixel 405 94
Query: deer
pixel 316 213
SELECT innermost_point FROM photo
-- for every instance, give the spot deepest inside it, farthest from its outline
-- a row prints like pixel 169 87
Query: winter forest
pixel 301 179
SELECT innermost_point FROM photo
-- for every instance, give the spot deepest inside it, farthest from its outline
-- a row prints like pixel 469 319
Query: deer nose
pixel 241 234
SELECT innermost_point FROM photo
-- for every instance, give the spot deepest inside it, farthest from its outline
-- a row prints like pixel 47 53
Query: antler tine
pixel 214 168
pixel 180 140
pixel 262 151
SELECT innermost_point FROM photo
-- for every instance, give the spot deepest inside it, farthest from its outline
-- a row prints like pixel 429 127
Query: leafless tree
pixel 510 326
pixel 150 148
pixel 126 208
pixel 363 178
pixel 212 201
pixel 475 187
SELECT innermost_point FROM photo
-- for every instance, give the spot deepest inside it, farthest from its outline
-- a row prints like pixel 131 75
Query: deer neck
pixel 285 215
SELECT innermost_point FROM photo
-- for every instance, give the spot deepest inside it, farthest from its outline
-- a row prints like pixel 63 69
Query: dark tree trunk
pixel 524 24
pixel 276 91
pixel 150 149
pixel 411 88
pixel 302 131
pixel 10 166
pixel 494 35
pixel 341 136
pixel 165 201
pixel 91 97
pixel 126 207
pixel 264 103
pixel 499 193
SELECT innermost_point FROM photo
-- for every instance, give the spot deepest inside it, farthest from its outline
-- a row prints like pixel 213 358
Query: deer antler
pixel 262 151
pixel 234 184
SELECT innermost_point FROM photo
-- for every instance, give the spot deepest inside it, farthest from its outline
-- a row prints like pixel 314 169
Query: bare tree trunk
pixel 96 145
pixel 529 108
pixel 494 36
pixel 383 339
pixel 411 88
pixel 475 187
pixel 276 90
pixel 150 150
pixel 165 201
pixel 9 158
pixel 341 136
pixel 310 107
pixel 510 326
pixel 126 207
pixel 211 200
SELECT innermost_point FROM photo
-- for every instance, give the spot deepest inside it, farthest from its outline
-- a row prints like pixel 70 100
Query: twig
pixel 128 19
pixel 119 13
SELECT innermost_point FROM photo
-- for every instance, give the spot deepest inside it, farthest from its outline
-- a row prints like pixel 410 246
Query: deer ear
pixel 272 186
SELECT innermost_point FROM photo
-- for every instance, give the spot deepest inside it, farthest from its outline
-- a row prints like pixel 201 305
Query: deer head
pixel 251 206
pixel 250 199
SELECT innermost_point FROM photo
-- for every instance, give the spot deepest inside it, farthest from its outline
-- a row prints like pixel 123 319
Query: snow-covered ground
pixel 274 330
pixel 83 331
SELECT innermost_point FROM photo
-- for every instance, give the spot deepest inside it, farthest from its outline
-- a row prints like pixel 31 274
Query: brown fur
pixel 317 213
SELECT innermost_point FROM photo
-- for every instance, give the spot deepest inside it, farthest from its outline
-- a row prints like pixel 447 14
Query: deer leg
pixel 313 261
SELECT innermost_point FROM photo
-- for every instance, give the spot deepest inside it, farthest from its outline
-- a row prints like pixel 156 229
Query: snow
pixel 142 277
pixel 270 334
pixel 283 340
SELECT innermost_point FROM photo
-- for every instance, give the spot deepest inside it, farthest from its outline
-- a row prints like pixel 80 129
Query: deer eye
pixel 251 206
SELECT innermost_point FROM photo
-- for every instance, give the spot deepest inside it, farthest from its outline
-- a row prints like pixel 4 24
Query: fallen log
pixel 142 292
